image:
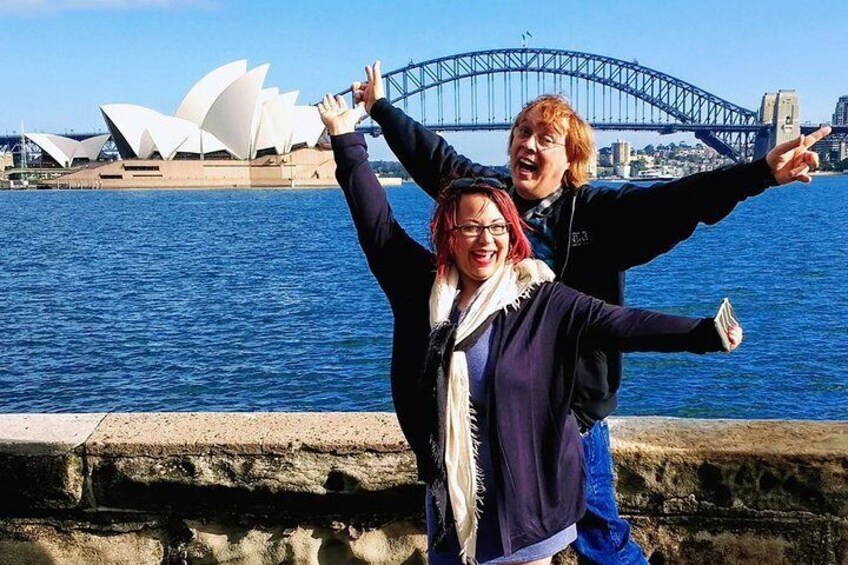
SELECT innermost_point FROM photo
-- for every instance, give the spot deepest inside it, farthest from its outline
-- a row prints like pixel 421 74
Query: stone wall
pixel 340 488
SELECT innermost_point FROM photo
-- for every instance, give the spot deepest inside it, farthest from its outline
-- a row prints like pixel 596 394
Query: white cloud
pixel 30 7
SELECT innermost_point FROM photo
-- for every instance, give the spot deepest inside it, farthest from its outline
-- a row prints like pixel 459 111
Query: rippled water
pixel 261 300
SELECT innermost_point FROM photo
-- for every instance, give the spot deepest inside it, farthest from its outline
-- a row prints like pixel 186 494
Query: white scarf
pixel 504 289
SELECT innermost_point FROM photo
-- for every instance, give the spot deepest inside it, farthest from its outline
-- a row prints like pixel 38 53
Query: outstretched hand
pixel 793 160
pixel 370 91
pixel 337 116
pixel 734 336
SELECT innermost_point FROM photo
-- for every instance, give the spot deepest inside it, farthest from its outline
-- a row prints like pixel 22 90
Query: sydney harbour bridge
pixel 484 90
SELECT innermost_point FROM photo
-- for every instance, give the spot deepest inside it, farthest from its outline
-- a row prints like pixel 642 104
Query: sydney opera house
pixel 228 131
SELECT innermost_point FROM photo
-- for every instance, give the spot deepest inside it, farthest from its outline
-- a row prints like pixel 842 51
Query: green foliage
pixel 389 169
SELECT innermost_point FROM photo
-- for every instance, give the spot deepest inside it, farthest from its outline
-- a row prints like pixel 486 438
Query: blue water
pixel 261 300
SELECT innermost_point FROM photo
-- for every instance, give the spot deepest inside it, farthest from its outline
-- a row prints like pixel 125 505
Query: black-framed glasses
pixel 476 230
pixel 468 182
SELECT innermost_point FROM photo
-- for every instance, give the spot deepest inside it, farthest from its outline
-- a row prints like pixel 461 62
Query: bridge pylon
pixel 782 112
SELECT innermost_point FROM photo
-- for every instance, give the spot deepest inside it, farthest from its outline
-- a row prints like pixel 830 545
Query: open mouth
pixel 527 165
pixel 483 258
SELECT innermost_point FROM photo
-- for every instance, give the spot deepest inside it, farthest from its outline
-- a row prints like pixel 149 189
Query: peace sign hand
pixel 337 116
pixel 793 160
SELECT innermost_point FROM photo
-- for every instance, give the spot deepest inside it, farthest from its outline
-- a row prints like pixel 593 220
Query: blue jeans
pixel 603 537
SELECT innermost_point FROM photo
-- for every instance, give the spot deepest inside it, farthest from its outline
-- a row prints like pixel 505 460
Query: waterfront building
pixel 831 150
pixel 59 151
pixel 226 115
pixel 840 115
pixel 621 158
pixel 6 161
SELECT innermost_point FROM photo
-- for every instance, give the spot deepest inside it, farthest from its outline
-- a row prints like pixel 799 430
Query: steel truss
pixel 483 90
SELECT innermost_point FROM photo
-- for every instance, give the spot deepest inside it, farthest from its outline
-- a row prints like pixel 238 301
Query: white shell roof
pixel 231 117
pixel 275 125
pixel 132 121
pixel 228 110
pixel 61 149
pixel 307 125
pixel 90 148
pixel 206 91
pixel 64 149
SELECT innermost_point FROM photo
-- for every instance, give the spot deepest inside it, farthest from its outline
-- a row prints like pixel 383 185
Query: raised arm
pixel 429 159
pixel 645 222
pixel 396 259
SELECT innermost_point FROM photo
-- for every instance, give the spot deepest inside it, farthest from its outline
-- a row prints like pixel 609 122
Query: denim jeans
pixel 603 537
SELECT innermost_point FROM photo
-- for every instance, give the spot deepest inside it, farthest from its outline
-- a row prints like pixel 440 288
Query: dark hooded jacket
pixel 599 232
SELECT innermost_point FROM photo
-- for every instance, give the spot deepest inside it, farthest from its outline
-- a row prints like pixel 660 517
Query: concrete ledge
pixel 340 487
pixel 41 459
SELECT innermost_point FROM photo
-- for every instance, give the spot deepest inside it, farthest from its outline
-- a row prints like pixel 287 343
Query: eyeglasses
pixel 468 182
pixel 476 230
pixel 544 141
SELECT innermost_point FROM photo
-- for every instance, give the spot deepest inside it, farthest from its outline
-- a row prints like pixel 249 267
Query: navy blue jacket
pixel 536 448
pixel 600 232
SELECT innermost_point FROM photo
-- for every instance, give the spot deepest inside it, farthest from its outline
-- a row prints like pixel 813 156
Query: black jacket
pixel 600 232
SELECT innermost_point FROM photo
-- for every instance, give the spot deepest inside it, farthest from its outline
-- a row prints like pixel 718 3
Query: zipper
pixel 568 241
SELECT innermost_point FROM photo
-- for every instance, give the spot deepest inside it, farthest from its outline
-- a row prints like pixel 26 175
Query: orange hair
pixel 555 112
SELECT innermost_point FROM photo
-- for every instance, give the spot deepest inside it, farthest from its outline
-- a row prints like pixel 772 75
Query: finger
pixel 369 72
pixel 377 72
pixel 800 169
pixel 355 86
pixel 812 160
pixel 341 102
pixel 787 146
pixel 817 135
pixel 805 178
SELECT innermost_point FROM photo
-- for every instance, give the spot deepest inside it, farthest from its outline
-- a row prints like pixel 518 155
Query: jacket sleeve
pixel 395 258
pixel 630 329
pixel 641 223
pixel 430 160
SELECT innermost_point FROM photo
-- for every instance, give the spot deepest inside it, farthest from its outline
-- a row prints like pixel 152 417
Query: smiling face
pixel 537 156
pixel 478 258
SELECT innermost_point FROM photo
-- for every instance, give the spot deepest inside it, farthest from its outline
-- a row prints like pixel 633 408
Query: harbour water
pixel 261 301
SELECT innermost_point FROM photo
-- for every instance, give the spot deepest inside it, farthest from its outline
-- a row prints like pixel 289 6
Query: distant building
pixel 228 114
pixel 621 158
pixel 621 152
pixel 840 116
pixel 59 151
pixel 831 150
pixel 6 161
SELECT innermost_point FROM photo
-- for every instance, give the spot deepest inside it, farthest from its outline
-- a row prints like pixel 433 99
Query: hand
pixel 370 91
pixel 792 160
pixel 337 116
pixel 734 336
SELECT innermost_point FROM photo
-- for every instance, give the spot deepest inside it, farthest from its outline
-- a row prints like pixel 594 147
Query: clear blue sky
pixel 64 58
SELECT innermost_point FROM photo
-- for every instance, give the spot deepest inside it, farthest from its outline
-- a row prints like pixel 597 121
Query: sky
pixel 62 59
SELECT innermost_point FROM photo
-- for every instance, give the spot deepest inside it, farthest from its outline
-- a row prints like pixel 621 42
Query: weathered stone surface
pixel 30 542
pixel 148 460
pixel 42 482
pixel 182 433
pixel 40 459
pixel 675 466
pixel 394 543
pixel 45 434
pixel 696 540
pixel 341 488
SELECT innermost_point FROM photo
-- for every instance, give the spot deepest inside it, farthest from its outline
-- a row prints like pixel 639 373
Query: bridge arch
pixel 483 90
